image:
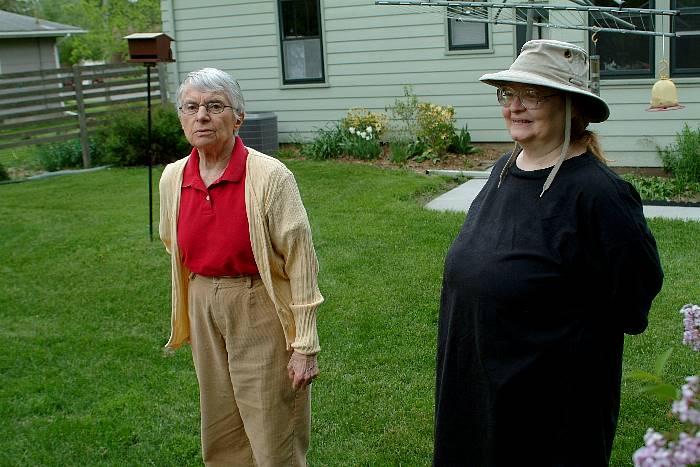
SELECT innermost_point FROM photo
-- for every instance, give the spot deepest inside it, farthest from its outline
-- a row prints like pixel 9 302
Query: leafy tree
pixel 106 23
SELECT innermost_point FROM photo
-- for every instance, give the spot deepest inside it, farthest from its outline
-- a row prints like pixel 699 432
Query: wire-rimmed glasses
pixel 529 98
pixel 190 108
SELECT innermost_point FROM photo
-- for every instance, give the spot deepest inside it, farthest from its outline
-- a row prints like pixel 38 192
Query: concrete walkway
pixel 459 199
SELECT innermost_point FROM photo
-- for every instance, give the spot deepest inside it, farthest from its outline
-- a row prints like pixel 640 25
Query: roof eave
pixel 27 34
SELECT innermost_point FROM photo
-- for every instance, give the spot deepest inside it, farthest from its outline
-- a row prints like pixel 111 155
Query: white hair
pixel 214 80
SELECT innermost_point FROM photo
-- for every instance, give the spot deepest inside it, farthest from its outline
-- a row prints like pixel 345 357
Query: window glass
pixel 685 55
pixel 303 60
pixel 302 47
pixel 467 35
pixel 624 55
pixel 540 16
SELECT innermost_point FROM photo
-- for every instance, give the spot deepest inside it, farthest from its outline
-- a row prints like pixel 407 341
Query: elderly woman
pixel 244 290
pixel 553 265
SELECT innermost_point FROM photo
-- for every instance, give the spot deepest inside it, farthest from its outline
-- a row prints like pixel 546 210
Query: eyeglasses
pixel 212 107
pixel 529 98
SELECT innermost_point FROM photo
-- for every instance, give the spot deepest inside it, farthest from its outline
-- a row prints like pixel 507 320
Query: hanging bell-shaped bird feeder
pixel 664 95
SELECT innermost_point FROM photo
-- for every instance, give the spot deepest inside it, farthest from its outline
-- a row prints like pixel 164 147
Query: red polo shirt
pixel 212 227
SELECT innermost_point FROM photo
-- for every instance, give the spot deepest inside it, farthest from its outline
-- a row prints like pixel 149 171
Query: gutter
pixel 25 34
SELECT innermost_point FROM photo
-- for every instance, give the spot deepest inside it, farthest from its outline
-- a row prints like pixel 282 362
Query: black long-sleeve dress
pixel 537 295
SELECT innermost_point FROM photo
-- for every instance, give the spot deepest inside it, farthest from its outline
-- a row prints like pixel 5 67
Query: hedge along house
pixel 29 44
pixel 309 61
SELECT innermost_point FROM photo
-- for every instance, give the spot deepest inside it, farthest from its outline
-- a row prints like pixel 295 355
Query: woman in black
pixel 542 282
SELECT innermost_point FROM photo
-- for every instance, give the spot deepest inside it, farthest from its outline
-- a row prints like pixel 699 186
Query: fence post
pixel 163 82
pixel 82 118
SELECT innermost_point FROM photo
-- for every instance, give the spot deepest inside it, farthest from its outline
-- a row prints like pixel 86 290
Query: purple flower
pixel 691 320
pixel 659 452
pixel 687 408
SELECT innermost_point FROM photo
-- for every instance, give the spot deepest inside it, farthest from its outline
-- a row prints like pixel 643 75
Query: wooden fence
pixel 67 103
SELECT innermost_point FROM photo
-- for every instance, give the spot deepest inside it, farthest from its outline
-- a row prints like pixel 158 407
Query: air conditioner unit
pixel 259 131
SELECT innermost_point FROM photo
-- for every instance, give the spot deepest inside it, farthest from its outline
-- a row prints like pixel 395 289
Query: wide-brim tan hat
pixel 557 65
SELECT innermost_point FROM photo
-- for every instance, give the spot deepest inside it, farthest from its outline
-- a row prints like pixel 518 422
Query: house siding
pixel 372 51
pixel 18 55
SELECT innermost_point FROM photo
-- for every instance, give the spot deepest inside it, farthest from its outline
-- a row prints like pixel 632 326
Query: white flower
pixel 368 129
pixel 362 134
pixel 351 130
pixel 368 137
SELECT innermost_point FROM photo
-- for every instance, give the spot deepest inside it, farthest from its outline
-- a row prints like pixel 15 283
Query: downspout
pixel 169 14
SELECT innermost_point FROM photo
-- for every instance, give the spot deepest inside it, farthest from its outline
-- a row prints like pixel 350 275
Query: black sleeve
pixel 626 252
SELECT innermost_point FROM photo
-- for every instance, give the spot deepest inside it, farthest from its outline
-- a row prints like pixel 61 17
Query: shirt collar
pixel 236 166
pixel 234 169
pixel 190 177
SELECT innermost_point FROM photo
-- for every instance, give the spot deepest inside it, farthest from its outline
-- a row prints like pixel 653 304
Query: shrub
pixel 124 140
pixel 404 112
pixel 63 155
pixel 462 142
pixel 361 119
pixel 329 144
pixel 430 123
pixel 436 126
pixel 3 173
pixel 659 188
pixel 399 151
pixel 361 144
pixel 682 158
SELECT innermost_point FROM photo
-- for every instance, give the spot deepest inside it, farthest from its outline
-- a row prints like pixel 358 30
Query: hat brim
pixel 597 110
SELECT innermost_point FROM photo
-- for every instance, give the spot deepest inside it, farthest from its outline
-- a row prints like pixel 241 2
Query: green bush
pixel 404 114
pixel 682 158
pixel 436 126
pixel 63 155
pixel 432 124
pixel 399 151
pixel 361 119
pixel 660 188
pixel 361 147
pixel 462 142
pixel 329 144
pixel 3 173
pixel 124 140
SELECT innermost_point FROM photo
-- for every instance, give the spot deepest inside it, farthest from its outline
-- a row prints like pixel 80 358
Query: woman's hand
pixel 302 369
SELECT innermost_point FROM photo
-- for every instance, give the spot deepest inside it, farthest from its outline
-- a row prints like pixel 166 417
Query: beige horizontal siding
pixel 372 51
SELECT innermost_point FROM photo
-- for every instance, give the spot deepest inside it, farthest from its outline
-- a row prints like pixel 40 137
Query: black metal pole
pixel 150 157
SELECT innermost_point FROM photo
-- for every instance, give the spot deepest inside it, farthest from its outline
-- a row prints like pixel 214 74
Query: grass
pixel 84 312
pixel 21 156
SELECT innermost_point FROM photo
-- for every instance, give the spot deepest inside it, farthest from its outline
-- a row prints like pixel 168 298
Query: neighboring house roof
pixel 13 25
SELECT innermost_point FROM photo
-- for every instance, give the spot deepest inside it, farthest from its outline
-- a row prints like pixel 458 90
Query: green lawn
pixel 84 313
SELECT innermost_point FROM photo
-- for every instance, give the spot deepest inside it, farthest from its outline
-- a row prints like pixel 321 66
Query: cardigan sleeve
pixel 165 192
pixel 290 234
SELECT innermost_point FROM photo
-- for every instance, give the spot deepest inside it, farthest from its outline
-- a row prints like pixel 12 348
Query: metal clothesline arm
pixel 606 14
pixel 559 26
pixel 611 9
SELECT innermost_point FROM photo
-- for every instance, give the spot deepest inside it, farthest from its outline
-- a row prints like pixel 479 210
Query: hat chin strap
pixel 564 148
pixel 562 156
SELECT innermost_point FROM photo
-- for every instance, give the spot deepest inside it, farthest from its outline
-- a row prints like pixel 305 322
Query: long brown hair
pixel 580 132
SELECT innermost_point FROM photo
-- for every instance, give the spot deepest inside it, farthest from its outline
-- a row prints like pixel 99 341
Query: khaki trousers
pixel 251 415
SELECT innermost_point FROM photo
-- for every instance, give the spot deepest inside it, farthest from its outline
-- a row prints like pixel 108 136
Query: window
pixel 685 59
pixel 539 16
pixel 623 55
pixel 465 35
pixel 302 48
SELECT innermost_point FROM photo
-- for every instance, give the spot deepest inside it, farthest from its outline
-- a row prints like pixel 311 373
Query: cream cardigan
pixel 281 239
